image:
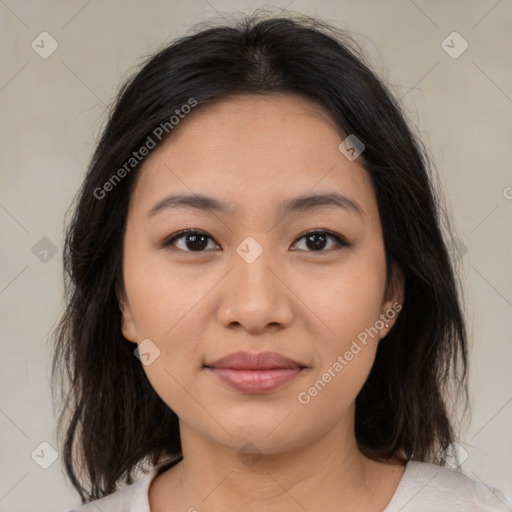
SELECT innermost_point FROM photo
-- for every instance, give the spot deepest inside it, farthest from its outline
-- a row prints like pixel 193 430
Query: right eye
pixel 193 240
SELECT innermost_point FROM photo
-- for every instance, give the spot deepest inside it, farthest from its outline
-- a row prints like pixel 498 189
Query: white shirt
pixel 424 487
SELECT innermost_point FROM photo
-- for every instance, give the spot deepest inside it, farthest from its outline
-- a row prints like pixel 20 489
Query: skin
pixel 253 152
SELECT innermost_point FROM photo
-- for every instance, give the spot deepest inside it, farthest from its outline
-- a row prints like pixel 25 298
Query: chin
pixel 262 433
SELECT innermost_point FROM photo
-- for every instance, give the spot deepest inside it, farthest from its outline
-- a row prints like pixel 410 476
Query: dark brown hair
pixel 113 419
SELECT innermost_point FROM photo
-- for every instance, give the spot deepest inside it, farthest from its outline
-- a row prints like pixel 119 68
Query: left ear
pixel 393 299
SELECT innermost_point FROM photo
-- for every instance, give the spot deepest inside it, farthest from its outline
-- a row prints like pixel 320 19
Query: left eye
pixel 317 240
pixel 197 241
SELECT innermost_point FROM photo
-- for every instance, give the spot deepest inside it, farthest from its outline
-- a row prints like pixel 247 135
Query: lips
pixel 255 373
pixel 248 361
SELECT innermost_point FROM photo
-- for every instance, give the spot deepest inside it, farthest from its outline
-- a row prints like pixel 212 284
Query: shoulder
pixel 131 498
pixel 425 486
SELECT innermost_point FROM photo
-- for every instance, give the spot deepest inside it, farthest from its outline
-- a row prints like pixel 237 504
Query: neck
pixel 328 473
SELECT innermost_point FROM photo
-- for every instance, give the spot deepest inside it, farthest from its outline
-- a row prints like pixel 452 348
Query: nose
pixel 255 296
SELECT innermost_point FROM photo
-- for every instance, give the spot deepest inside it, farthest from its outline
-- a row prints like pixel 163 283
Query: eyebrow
pixel 299 204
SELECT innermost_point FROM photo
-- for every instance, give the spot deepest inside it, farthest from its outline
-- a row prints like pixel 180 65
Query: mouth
pixel 255 373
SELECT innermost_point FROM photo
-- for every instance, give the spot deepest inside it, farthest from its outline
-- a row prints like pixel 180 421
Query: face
pixel 307 283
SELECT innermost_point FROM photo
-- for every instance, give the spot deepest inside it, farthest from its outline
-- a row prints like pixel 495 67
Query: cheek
pixel 162 297
pixel 349 300
pixel 171 381
pixel 168 307
pixel 349 305
pixel 333 390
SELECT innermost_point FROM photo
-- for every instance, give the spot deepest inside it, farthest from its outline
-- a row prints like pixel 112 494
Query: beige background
pixel 52 111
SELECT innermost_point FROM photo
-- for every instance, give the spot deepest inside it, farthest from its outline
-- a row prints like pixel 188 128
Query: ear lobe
pixel 394 299
pixel 128 327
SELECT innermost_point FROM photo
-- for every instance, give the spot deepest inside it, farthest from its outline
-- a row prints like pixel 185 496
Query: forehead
pixel 252 151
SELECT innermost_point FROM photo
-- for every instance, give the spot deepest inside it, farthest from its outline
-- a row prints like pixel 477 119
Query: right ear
pixel 128 326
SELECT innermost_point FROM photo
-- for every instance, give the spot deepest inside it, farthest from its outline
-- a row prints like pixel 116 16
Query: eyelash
pixel 340 241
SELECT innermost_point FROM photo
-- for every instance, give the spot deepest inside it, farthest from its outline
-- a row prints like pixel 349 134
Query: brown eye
pixel 316 241
pixel 193 240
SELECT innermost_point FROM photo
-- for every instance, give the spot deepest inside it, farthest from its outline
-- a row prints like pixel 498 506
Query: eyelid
pixel 340 240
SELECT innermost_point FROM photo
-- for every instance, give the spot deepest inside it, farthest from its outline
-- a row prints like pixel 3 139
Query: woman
pixel 261 305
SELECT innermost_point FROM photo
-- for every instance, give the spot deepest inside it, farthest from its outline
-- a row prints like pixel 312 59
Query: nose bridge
pixel 255 296
pixel 253 262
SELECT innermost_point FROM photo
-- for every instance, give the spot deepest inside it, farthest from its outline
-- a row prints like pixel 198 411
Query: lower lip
pixel 256 381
